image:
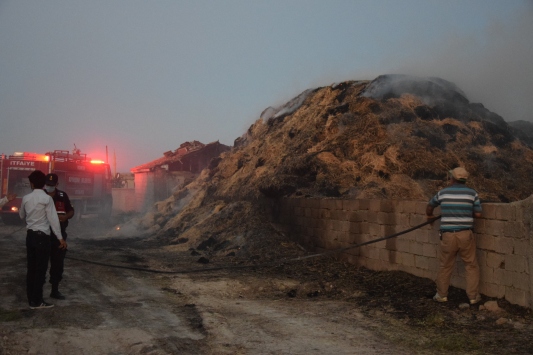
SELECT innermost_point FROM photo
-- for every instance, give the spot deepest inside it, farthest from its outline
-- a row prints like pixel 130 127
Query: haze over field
pixel 142 77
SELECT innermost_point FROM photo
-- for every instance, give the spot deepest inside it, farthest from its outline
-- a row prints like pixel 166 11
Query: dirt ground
pixel 320 306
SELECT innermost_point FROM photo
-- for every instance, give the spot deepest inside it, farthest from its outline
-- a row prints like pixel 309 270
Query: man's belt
pixel 38 232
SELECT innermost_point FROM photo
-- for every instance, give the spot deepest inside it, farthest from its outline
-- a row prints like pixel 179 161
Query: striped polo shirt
pixel 457 204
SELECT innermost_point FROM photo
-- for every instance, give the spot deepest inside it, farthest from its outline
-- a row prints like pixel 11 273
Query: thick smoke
pixel 497 73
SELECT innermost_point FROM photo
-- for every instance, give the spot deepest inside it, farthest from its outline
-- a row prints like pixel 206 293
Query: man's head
pixel 37 179
pixel 51 182
pixel 459 174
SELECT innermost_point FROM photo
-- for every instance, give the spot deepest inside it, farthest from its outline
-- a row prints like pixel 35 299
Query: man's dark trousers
pixel 57 260
pixel 38 253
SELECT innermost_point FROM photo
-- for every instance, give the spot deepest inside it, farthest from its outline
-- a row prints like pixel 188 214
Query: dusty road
pixel 122 311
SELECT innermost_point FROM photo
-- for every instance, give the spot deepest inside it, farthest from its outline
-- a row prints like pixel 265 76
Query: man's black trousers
pixel 38 253
pixel 57 260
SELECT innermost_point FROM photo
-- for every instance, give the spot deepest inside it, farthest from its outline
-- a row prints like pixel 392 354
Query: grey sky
pixel 141 77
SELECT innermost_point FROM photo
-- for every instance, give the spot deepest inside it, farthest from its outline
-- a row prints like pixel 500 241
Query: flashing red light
pixel 97 161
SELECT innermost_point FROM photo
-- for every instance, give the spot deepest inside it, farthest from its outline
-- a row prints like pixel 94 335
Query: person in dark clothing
pixel 65 211
pixel 39 212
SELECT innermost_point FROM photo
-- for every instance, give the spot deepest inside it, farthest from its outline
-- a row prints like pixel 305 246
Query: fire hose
pixel 271 263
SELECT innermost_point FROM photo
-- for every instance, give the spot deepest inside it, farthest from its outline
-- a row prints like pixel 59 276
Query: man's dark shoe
pixel 57 295
pixel 41 305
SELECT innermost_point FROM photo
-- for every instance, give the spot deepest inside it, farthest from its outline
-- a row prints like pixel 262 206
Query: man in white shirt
pixel 38 209
pixel 6 199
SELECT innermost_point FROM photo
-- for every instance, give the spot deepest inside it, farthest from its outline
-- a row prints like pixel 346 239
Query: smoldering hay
pixel 394 137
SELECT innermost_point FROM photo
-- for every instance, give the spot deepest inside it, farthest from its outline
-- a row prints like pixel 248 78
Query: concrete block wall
pixel 123 200
pixel 505 245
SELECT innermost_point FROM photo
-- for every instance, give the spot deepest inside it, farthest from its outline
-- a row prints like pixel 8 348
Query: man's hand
pixel 62 217
pixel 11 197
pixel 62 244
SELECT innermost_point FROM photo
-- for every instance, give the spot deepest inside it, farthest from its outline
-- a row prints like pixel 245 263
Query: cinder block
pixel 492 289
pixel 345 226
pixel 403 245
pixel 365 227
pixel 408 259
pixel 504 245
pixel 486 242
pixel 522 214
pixel 340 215
pixel 521 246
pixel 489 210
pixel 494 227
pixel 434 265
pixel 386 218
pixel 405 207
pixel 486 274
pixel 407 236
pixel 516 263
pixel 506 212
pixel 514 229
pixel 479 226
pixel 494 260
pixel 516 296
pixel 364 251
pixel 338 204
pixel 416 248
pixel 521 281
pixel 327 204
pixel 324 213
pixel 358 216
pixel 313 203
pixel 507 278
pixel 421 236
pixel 375 205
pixel 387 206
pixel 372 217
pixel 421 208
pixel 429 250
pixel 416 219
pixel 307 212
pixel 402 219
pixel 350 205
pixel 354 227
pixel 386 255
pixel 374 229
pixel 421 262
pixel 373 253
pixel 364 204
pixel 382 244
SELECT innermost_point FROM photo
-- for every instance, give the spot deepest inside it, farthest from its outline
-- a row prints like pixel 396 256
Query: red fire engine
pixel 87 182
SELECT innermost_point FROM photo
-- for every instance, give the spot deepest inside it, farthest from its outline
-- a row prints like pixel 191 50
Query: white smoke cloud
pixel 496 71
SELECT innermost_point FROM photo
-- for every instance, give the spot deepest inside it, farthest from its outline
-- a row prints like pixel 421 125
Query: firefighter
pixel 7 198
pixel 37 209
pixel 65 211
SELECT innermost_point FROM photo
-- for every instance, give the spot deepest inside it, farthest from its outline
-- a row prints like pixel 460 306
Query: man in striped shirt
pixel 459 205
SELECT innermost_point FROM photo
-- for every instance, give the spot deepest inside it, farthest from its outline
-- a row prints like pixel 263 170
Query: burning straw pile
pixel 394 137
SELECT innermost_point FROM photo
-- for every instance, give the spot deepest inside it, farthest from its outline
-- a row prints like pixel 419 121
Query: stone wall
pixel 505 244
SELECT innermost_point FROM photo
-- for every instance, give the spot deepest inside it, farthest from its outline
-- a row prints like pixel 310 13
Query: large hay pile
pixel 394 137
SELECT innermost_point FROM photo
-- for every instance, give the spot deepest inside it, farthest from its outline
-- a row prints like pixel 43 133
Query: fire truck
pixel 87 182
